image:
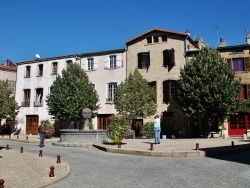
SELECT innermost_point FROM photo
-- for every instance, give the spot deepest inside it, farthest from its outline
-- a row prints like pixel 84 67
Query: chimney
pixel 248 38
pixel 223 42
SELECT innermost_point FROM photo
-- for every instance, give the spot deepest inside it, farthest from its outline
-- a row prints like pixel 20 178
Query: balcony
pixel 25 104
pixel 38 104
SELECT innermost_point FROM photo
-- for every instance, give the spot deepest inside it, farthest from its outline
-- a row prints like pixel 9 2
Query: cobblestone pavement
pixel 27 169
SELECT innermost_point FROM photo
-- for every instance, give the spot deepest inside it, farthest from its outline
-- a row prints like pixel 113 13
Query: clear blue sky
pixel 62 27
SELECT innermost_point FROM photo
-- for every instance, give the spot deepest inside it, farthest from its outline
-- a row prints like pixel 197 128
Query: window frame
pixel 170 88
pixel 54 68
pixel 168 57
pixel 111 90
pixel 26 98
pixel 38 97
pixel 40 70
pixel 143 60
pixel 27 71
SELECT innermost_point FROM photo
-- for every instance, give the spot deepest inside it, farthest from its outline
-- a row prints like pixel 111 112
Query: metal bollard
pixel 58 159
pixel 21 150
pixel 197 146
pixel 151 147
pixel 27 137
pixel 2 135
pixel 17 137
pixel 232 144
pixel 52 174
pixel 40 153
pixel 9 136
pixel 7 147
pixel 1 183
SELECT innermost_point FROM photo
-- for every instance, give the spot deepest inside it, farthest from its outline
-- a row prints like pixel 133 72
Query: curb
pixel 206 152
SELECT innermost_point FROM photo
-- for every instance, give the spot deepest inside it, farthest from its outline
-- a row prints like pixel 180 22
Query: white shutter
pixel 118 61
pixel 95 63
pixel 85 63
pixel 106 62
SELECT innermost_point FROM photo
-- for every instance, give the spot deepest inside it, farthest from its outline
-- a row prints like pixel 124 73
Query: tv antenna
pixel 218 36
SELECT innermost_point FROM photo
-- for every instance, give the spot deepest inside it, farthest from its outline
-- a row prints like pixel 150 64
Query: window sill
pixel 90 70
pixel 240 72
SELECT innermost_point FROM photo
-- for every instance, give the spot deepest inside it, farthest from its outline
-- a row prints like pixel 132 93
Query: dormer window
pixel 164 38
pixel 156 38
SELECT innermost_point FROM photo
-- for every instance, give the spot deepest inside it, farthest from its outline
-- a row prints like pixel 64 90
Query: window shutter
pixel 106 62
pixel 247 63
pixel 118 61
pixel 229 62
pixel 165 58
pixel 95 63
pixel 172 58
pixel 140 59
pixel 85 63
pixel 166 92
pixel 248 91
pixel 148 59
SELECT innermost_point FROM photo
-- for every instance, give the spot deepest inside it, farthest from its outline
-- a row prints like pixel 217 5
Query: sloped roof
pixel 161 30
pixel 8 68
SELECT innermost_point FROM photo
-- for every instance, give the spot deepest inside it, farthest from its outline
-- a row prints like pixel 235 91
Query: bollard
pixel 9 136
pixel 197 146
pixel 27 137
pixel 2 135
pixel 21 150
pixel 1 183
pixel 40 153
pixel 58 159
pixel 151 147
pixel 17 137
pixel 7 147
pixel 119 145
pixel 232 144
pixel 52 174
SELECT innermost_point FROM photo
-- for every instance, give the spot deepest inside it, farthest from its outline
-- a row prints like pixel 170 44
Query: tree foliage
pixel 135 98
pixel 207 86
pixel 8 105
pixel 70 93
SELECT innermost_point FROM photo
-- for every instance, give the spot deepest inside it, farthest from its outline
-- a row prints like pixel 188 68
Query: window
pixel 169 90
pixel 156 38
pixel 152 84
pixel 39 97
pixel 245 92
pixel 164 38
pixel 40 70
pixel 111 92
pixel 90 63
pixel 168 58
pixel 143 60
pixel 149 40
pixel 27 72
pixel 26 98
pixel 239 64
pixel 54 68
pixel 113 61
pixel 12 86
pixel 68 62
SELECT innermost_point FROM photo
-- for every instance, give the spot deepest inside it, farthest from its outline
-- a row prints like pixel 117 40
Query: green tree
pixel 207 86
pixel 8 105
pixel 135 98
pixel 70 93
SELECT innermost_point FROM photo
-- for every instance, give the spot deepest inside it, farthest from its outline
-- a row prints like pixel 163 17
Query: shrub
pixel 148 130
pixel 49 129
pixel 118 128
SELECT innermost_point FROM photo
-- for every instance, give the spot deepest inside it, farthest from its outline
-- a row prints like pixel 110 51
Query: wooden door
pixel 103 120
pixel 32 122
pixel 238 125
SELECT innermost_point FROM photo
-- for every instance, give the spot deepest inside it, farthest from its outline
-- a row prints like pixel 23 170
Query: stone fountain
pixel 84 136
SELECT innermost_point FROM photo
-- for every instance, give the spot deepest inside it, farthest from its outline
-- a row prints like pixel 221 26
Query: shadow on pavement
pixel 238 153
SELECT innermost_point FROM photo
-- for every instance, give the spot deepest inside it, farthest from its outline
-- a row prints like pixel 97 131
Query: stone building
pixel 158 55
